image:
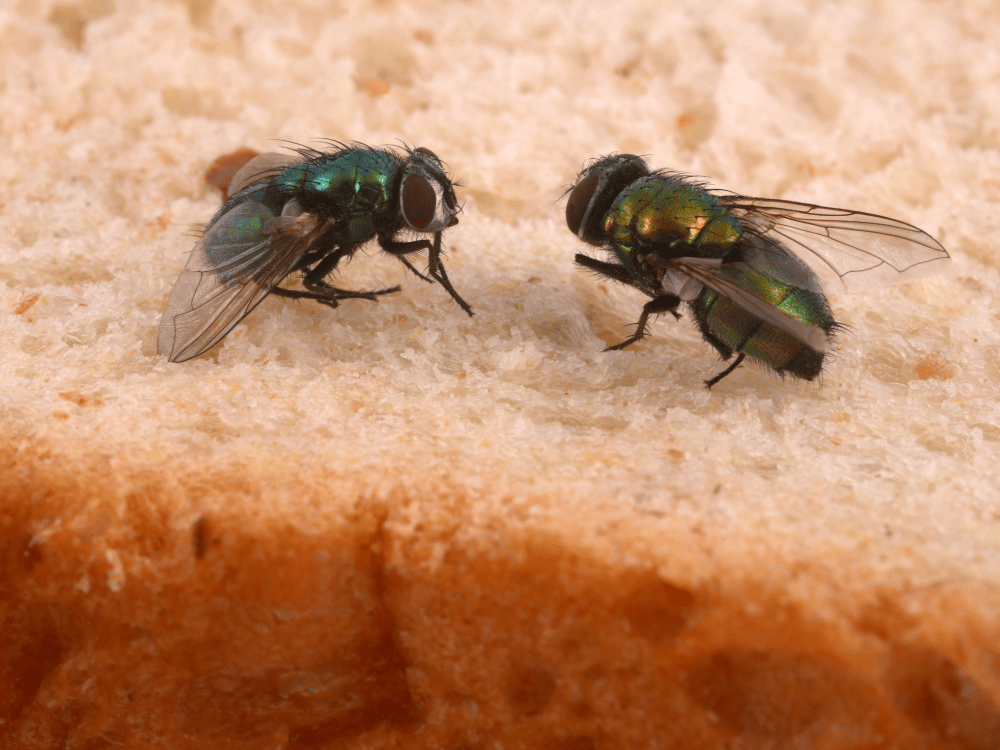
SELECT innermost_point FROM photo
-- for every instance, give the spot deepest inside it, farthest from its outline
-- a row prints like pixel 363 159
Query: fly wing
pixel 241 257
pixel 261 167
pixel 849 251
pixel 725 282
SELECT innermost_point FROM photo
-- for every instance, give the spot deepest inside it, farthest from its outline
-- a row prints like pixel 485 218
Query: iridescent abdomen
pixel 730 328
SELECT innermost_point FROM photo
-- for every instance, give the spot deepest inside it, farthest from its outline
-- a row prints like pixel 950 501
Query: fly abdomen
pixel 730 328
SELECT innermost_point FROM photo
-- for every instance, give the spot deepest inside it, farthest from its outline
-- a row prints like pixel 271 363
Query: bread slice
pixel 391 525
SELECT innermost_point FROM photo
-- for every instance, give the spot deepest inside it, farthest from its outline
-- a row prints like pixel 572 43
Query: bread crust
pixel 190 606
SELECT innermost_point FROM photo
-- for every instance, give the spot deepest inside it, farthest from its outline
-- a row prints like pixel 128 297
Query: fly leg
pixel 435 269
pixel 613 271
pixel 666 303
pixel 325 293
pixel 721 375
pixel 415 272
pixel 659 304
pixel 331 295
pixel 402 249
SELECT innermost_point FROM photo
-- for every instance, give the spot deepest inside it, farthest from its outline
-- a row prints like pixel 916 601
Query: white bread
pixel 391 525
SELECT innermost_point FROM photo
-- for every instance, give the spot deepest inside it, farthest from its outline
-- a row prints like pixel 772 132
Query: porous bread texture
pixel 390 525
pixel 431 615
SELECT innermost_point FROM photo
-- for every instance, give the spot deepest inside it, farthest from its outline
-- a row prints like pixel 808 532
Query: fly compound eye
pixel 578 201
pixel 419 202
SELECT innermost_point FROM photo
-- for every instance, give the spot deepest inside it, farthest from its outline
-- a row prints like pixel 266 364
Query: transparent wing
pixel 261 167
pixel 725 281
pixel 849 251
pixel 241 257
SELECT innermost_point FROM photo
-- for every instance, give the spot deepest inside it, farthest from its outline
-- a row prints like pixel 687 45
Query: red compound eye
pixel 419 202
pixel 578 201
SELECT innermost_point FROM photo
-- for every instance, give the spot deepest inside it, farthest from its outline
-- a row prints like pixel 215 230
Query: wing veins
pixel 260 267
pixel 839 244
pixel 814 337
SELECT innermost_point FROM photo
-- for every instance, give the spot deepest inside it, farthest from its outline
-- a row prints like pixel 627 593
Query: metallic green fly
pixel 751 270
pixel 306 214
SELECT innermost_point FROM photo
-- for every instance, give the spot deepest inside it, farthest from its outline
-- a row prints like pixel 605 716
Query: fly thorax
pixel 645 267
pixel 620 227
pixel 696 227
pixel 680 214
pixel 668 211
pixel 721 232
pixel 360 227
pixel 616 228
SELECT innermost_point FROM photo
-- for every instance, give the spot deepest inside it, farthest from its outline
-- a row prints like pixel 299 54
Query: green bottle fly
pixel 306 214
pixel 749 269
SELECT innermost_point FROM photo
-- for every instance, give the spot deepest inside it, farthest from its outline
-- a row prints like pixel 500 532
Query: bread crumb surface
pixel 389 524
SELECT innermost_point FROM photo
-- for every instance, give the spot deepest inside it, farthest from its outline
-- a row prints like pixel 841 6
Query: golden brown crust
pixel 132 610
